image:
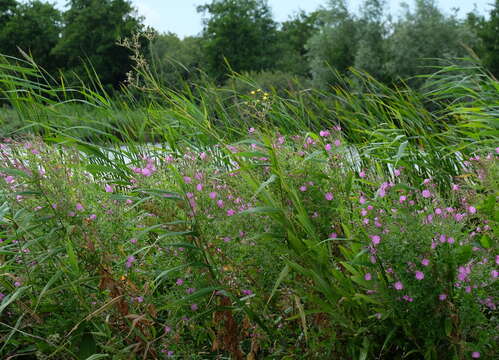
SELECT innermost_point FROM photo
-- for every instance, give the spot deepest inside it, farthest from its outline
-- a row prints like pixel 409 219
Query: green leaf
pixel 485 241
pixel 283 274
pixel 12 297
pixel 97 356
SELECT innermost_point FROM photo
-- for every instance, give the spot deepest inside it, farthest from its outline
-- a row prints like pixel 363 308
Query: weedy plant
pixel 356 223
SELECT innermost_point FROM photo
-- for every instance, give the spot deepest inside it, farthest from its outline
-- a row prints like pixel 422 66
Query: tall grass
pixel 312 283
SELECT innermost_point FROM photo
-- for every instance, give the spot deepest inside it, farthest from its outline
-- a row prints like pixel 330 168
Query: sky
pixel 181 17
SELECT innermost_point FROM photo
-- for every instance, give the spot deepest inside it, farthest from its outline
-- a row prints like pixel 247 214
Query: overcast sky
pixel 180 16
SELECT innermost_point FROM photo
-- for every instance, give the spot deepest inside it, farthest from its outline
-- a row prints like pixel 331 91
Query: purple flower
pixel 324 133
pixel 442 297
pixel 475 354
pixel 362 174
pixel 471 210
pixel 247 292
pixel 329 196
pixel 425 262
pixel 419 275
pixel 187 179
pixel 303 188
pixel 398 286
pixel 426 193
pixel 368 276
pixel 337 142
pixel 213 195
pixel 375 239
pixel 79 207
pixel 328 147
pixel 180 282
pixel 194 307
pixel 190 290
pixel 108 188
pixel 231 212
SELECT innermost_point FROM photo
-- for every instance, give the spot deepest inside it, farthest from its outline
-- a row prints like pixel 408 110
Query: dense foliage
pixel 357 224
pixel 221 208
pixel 242 36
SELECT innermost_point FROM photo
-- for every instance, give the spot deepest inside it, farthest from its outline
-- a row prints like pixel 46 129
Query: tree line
pixel 243 36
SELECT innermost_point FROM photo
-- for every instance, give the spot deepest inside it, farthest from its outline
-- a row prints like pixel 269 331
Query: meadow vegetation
pixel 321 188
pixel 358 223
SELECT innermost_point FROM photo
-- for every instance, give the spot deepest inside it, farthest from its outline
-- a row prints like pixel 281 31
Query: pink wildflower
pixel 328 147
pixel 419 275
pixel 367 276
pixel 303 188
pixel 426 193
pixel 442 297
pixel 362 174
pixel 329 196
pixel 79 207
pixel 475 354
pixel 108 188
pixel 398 286
pixel 375 239
pixel 425 262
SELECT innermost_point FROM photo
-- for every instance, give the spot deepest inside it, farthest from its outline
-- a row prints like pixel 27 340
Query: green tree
pixel 424 35
pixel 241 31
pixel 33 27
pixel 488 33
pixel 371 55
pixel 332 49
pixel 91 31
pixel 7 8
pixel 293 36
pixel 177 60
